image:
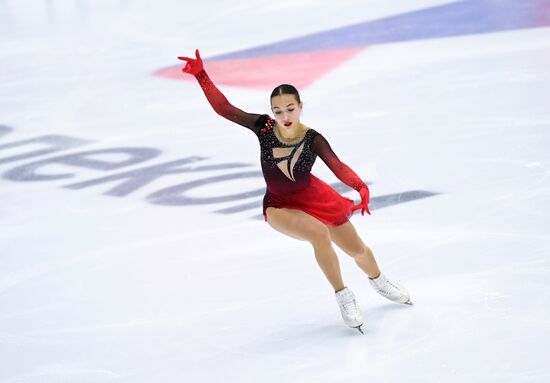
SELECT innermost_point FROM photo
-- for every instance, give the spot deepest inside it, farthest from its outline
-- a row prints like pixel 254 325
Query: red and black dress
pixel 286 165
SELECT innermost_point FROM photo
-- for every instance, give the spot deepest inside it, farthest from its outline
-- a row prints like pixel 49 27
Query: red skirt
pixel 317 199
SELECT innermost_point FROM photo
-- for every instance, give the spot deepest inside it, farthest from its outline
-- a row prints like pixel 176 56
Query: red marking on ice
pixel 541 13
pixel 266 72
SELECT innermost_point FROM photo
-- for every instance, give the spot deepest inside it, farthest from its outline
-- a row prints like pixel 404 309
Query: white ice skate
pixel 391 290
pixel 349 309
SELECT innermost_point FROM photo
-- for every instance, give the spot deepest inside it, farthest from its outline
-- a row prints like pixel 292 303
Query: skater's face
pixel 286 110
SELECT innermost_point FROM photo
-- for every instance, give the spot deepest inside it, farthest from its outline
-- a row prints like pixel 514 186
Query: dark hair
pixel 285 89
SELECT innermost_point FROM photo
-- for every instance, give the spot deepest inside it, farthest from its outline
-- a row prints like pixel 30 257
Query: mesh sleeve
pixel 344 173
pixel 223 107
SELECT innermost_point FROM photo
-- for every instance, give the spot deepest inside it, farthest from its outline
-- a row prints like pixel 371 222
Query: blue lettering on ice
pixel 126 182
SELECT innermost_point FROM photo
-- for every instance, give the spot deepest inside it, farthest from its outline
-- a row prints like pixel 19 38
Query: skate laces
pixel 386 287
pixel 348 303
pixel 351 308
pixel 390 290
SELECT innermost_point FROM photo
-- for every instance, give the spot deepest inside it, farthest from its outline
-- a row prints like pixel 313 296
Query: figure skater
pixel 297 203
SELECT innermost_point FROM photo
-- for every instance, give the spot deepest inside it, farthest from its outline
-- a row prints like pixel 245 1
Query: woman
pixel 297 203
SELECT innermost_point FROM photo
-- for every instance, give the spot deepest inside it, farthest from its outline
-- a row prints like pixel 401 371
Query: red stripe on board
pixel 266 72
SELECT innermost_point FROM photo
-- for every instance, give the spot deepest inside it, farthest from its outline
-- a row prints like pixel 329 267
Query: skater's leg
pixel 302 226
pixel 347 239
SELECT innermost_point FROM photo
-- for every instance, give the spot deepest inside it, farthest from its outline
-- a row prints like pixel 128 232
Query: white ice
pixel 98 288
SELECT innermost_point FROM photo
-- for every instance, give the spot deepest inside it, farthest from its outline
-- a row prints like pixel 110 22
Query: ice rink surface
pixel 131 247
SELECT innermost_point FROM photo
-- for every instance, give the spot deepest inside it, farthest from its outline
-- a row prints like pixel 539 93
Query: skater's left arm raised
pixel 215 97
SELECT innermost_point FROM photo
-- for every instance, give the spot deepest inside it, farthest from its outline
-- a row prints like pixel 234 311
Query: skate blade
pixel 359 329
pixel 408 303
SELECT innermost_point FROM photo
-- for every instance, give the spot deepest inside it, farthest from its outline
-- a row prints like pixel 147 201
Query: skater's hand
pixel 193 66
pixel 365 197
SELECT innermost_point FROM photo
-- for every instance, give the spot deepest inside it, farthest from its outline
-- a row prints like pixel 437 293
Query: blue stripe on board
pixel 455 19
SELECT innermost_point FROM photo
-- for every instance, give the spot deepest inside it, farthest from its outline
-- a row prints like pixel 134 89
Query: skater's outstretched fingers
pixel 365 198
pixel 193 66
pixel 197 57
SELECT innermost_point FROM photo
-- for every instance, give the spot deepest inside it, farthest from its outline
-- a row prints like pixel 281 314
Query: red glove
pixel 193 66
pixel 365 197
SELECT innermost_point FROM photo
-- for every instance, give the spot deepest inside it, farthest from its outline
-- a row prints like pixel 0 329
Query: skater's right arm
pixel 217 100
